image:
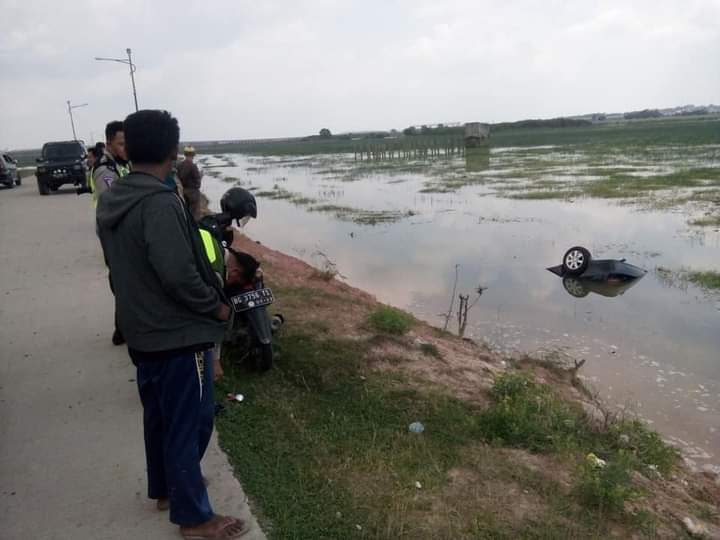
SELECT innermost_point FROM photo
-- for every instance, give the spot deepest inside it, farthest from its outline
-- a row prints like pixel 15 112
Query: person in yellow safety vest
pixel 113 163
pixel 215 254
pixel 94 153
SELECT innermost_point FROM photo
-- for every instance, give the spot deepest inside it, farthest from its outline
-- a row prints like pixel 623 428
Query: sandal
pixel 230 529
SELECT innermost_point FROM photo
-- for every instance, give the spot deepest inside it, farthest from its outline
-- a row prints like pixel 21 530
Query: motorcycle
pixel 251 328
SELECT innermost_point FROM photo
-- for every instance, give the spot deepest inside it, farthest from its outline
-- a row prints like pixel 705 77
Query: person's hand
pixel 217 369
pixel 223 312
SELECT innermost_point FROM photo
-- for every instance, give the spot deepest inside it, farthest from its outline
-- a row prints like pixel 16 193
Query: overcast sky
pixel 274 68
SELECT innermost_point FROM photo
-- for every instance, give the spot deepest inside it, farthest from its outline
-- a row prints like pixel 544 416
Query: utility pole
pixel 129 62
pixel 72 122
pixel 132 76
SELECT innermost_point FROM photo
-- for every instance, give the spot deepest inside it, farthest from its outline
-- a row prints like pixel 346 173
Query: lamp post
pixel 132 70
pixel 70 110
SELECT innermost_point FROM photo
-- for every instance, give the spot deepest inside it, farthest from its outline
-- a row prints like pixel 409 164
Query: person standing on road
pixel 190 178
pixel 171 310
pixel 113 164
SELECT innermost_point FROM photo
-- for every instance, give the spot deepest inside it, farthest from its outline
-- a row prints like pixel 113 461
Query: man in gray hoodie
pixel 171 310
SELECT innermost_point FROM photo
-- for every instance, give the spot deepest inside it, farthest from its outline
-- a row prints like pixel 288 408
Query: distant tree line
pixel 548 123
pixel 645 113
pixel 440 129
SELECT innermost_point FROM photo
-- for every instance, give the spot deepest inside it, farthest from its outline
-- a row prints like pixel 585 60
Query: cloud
pixel 234 69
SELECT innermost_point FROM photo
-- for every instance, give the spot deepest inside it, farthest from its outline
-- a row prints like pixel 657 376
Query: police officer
pixel 113 164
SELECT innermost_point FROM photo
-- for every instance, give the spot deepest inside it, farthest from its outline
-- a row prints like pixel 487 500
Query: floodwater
pixel 654 350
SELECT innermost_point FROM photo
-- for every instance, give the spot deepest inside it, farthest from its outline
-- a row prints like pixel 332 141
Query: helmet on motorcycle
pixel 239 203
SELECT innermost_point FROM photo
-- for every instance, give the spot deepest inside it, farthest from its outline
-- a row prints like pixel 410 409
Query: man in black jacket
pixel 171 311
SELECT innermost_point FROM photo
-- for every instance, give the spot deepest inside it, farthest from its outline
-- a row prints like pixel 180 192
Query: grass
pixel 531 415
pixel 389 320
pixel 681 131
pixel 542 195
pixel 607 488
pixel 708 221
pixel 322 446
pixel 707 280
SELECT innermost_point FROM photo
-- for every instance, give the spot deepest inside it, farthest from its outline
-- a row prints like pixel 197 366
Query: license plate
pixel 252 299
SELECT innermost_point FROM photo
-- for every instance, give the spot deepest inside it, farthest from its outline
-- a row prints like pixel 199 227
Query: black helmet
pixel 239 203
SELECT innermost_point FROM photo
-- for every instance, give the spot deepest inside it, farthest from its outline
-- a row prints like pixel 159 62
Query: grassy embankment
pixel 322 446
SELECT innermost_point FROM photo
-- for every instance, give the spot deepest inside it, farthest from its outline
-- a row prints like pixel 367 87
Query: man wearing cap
pixel 190 178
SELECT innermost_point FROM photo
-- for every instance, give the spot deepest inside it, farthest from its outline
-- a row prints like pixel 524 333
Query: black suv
pixel 61 163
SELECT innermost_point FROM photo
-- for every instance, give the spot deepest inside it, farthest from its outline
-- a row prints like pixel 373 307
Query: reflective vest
pixel 214 252
pixel 121 170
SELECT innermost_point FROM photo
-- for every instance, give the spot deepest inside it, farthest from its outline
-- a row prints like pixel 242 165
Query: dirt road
pixel 72 462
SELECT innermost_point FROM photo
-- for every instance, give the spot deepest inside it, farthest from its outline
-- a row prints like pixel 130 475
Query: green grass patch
pixel 389 320
pixel 322 447
pixel 361 217
pixel 542 195
pixel 606 489
pixel 707 280
pixel 707 221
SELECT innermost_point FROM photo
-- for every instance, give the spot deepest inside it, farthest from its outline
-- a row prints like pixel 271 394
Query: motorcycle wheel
pixel 264 359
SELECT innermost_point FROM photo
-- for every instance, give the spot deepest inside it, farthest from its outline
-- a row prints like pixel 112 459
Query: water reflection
pixel 477 159
pixel 581 287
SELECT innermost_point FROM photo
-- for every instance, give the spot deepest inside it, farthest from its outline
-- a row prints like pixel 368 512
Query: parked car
pixel 9 174
pixel 62 162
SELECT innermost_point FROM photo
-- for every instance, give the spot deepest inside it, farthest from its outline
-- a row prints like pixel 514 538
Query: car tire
pixel 18 181
pixel 43 187
pixel 576 260
pixel 574 287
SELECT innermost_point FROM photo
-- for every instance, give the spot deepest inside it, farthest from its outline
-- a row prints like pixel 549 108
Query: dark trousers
pixel 178 413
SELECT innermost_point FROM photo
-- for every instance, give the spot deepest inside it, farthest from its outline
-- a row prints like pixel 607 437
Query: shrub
pixel 389 320
pixel 606 488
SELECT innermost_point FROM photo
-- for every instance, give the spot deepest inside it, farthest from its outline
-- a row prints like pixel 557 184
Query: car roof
pixel 65 142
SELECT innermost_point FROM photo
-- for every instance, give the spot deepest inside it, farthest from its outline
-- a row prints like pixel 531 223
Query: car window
pixel 61 150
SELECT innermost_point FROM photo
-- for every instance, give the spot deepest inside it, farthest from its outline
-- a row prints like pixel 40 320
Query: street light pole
pixel 133 67
pixel 72 122
pixel 132 77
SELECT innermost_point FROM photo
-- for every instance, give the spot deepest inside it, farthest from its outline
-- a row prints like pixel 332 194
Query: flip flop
pixel 233 529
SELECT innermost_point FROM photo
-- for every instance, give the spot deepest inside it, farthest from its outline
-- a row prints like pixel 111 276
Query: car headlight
pixel 77 167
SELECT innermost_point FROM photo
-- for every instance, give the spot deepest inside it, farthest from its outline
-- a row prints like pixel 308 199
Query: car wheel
pixel 54 188
pixel 18 180
pixel 42 187
pixel 576 260
pixel 574 287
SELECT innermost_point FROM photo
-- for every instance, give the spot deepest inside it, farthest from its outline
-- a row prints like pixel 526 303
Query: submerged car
pixel 607 277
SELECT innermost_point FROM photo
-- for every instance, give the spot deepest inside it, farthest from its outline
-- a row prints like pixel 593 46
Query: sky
pixel 233 69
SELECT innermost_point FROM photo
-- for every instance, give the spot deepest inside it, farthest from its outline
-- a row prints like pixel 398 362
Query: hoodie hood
pixel 114 204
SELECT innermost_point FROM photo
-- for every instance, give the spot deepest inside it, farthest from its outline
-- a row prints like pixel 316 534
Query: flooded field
pixel 414 232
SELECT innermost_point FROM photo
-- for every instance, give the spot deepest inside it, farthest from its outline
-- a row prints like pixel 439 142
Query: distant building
pixel 476 134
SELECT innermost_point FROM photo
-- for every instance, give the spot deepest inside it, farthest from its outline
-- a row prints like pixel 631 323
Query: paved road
pixel 71 453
